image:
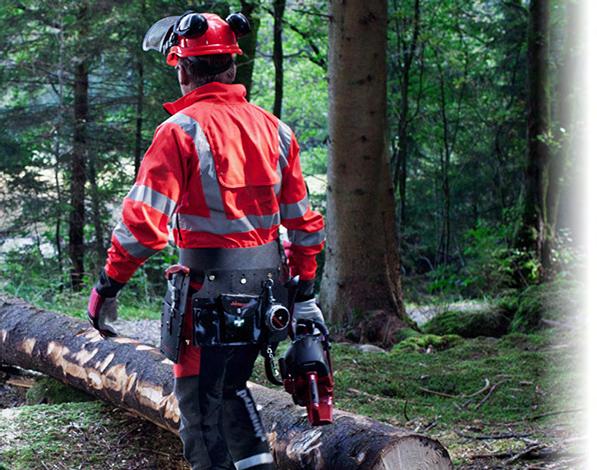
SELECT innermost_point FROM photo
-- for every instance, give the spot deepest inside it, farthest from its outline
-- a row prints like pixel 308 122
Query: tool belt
pixel 242 299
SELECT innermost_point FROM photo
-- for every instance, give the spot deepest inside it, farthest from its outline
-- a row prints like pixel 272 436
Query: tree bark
pixel 534 230
pixel 58 150
pixel 248 44
pixel 450 129
pixel 76 245
pixel 279 6
pixel 566 128
pixel 138 378
pixel 403 118
pixel 362 264
pixel 140 99
pixel 96 213
pixel 139 116
pixel 446 233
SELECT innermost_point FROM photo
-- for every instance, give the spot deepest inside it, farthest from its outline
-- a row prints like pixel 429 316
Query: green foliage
pixel 469 69
pixel 487 267
pixel 489 321
pixel 27 274
pixel 490 266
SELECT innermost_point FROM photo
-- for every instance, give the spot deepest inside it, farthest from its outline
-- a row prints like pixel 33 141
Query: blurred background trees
pixel 80 101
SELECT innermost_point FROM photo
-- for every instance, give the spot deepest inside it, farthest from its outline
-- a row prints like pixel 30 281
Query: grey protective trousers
pixel 220 427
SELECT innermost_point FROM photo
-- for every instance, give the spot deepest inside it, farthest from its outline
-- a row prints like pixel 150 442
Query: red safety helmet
pixel 196 34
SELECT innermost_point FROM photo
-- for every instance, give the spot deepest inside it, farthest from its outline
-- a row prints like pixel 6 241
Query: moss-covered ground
pixel 84 435
pixel 526 386
pixel 509 402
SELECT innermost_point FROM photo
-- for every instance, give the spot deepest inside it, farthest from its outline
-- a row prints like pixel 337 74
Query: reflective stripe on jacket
pixel 222 173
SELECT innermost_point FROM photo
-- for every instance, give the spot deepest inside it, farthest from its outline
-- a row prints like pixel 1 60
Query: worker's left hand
pixel 101 309
pixel 308 310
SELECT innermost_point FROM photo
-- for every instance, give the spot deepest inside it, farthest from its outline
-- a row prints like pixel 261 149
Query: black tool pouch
pixel 227 320
pixel 173 313
pixel 229 309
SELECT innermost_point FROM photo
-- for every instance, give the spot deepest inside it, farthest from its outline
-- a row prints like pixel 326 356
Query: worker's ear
pixel 183 77
pixel 230 74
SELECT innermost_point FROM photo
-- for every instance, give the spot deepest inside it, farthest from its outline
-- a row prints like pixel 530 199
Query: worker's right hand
pixel 102 304
pixel 101 309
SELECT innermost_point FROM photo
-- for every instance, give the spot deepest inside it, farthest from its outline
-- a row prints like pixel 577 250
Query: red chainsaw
pixel 307 374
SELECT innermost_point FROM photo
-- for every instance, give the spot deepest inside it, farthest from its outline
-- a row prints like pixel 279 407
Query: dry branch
pixel 138 378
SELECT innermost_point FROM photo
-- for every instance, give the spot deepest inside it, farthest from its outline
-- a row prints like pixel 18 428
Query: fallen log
pixel 137 377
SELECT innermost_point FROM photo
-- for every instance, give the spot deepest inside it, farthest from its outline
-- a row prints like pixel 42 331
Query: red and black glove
pixel 102 304
pixel 305 306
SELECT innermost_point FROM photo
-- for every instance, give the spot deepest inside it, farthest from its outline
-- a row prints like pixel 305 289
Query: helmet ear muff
pixel 239 24
pixel 191 24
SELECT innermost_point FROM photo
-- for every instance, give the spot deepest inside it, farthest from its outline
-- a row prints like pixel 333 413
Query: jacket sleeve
pixel 305 226
pixel 146 210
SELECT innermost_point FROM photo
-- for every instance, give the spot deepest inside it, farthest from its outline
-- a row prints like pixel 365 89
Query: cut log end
pixel 416 453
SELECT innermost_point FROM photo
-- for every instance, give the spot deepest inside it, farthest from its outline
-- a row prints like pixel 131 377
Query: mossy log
pixel 138 378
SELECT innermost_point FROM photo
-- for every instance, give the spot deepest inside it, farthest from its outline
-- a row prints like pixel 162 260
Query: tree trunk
pixel 362 265
pixel 76 246
pixel 403 117
pixel 58 150
pixel 139 117
pixel 139 104
pixel 248 44
pixel 96 213
pixel 279 6
pixel 444 244
pixel 138 378
pixel 565 127
pixel 533 232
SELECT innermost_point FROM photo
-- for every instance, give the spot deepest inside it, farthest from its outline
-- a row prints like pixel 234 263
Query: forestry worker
pixel 219 178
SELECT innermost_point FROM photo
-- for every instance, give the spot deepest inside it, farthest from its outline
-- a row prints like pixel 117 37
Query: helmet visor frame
pixel 158 35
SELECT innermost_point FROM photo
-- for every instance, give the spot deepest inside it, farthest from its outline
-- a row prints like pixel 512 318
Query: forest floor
pixel 513 402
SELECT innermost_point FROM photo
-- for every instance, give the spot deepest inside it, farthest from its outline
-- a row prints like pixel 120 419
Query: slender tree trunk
pixel 444 245
pixel 58 151
pixel 100 250
pixel 449 139
pixel 403 118
pixel 139 117
pixel 362 268
pixel 248 43
pixel 139 104
pixel 564 127
pixel 279 6
pixel 78 160
pixel 58 224
pixel 534 230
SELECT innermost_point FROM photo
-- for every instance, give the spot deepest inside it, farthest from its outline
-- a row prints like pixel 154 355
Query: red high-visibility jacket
pixel 222 173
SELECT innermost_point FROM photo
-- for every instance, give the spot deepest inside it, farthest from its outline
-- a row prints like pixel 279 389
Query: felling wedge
pixel 138 378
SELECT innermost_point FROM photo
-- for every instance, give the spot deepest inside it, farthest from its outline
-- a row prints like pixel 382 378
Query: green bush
pixel 486 268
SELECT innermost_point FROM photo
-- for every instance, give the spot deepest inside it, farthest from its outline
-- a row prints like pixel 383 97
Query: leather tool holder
pixel 173 311
pixel 228 308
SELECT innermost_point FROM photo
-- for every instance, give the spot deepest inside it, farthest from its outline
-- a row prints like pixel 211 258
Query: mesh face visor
pixel 156 38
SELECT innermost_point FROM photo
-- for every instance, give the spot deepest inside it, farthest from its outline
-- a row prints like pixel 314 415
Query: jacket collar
pixel 214 92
